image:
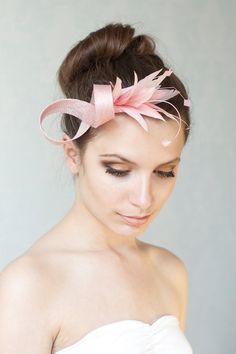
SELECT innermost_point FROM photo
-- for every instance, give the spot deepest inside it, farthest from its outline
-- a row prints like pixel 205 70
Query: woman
pixel 89 285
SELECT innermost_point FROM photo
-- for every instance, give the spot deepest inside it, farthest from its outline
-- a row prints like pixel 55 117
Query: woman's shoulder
pixel 31 272
pixel 25 273
pixel 174 272
pixel 172 265
pixel 25 295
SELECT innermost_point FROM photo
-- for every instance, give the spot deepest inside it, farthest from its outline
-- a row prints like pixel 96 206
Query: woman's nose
pixel 141 194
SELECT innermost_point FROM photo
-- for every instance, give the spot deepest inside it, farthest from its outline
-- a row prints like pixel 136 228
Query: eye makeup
pixel 123 173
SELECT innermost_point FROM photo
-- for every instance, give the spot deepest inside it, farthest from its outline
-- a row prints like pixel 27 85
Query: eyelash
pixel 120 173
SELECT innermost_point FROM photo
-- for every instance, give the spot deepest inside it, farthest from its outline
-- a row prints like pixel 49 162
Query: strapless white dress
pixel 164 336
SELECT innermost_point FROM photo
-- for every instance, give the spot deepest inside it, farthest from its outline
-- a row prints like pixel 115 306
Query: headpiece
pixel 141 98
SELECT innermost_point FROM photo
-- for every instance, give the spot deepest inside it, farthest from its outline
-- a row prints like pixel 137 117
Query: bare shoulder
pixel 25 302
pixel 175 273
pixel 26 270
pixel 173 265
pixel 30 274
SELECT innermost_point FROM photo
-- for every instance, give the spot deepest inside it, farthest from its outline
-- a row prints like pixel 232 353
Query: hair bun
pixel 102 46
pixel 109 42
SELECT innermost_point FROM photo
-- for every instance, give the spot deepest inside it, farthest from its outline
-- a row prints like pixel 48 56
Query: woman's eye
pixel 115 172
pixel 166 174
pixel 121 173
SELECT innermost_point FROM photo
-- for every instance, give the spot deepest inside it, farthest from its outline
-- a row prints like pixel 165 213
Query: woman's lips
pixel 135 221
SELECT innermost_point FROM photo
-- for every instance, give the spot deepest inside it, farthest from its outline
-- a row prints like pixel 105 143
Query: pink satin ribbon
pixel 141 98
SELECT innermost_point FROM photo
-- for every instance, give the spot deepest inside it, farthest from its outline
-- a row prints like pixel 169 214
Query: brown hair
pixel 103 55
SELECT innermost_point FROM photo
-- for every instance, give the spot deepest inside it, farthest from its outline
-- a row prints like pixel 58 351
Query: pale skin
pixel 91 269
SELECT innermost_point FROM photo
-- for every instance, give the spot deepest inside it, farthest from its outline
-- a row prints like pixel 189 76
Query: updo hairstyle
pixel 99 58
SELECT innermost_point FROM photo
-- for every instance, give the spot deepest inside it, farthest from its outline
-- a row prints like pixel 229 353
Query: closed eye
pixel 123 173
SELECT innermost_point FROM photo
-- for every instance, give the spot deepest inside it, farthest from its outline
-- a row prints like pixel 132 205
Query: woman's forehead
pixel 124 135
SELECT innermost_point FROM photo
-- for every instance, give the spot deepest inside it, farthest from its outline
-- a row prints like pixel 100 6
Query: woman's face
pixel 108 186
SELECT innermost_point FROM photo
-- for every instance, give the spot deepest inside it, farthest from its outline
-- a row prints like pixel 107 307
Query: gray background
pixel 197 39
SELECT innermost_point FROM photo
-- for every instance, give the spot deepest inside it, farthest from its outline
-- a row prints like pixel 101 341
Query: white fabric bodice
pixel 164 336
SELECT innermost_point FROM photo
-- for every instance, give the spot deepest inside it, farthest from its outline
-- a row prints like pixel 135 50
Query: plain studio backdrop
pixel 197 40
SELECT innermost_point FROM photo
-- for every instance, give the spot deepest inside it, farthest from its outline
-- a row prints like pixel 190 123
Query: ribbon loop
pixel 103 102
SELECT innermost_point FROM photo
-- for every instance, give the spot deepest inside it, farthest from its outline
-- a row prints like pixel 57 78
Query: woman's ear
pixel 72 155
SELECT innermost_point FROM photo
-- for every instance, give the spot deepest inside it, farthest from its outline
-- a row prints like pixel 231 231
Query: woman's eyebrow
pixel 177 159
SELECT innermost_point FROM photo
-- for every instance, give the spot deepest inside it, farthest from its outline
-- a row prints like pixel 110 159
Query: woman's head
pixel 110 52
pixel 147 173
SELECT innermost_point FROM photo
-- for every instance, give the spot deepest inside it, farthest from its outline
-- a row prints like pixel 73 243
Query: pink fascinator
pixel 141 98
